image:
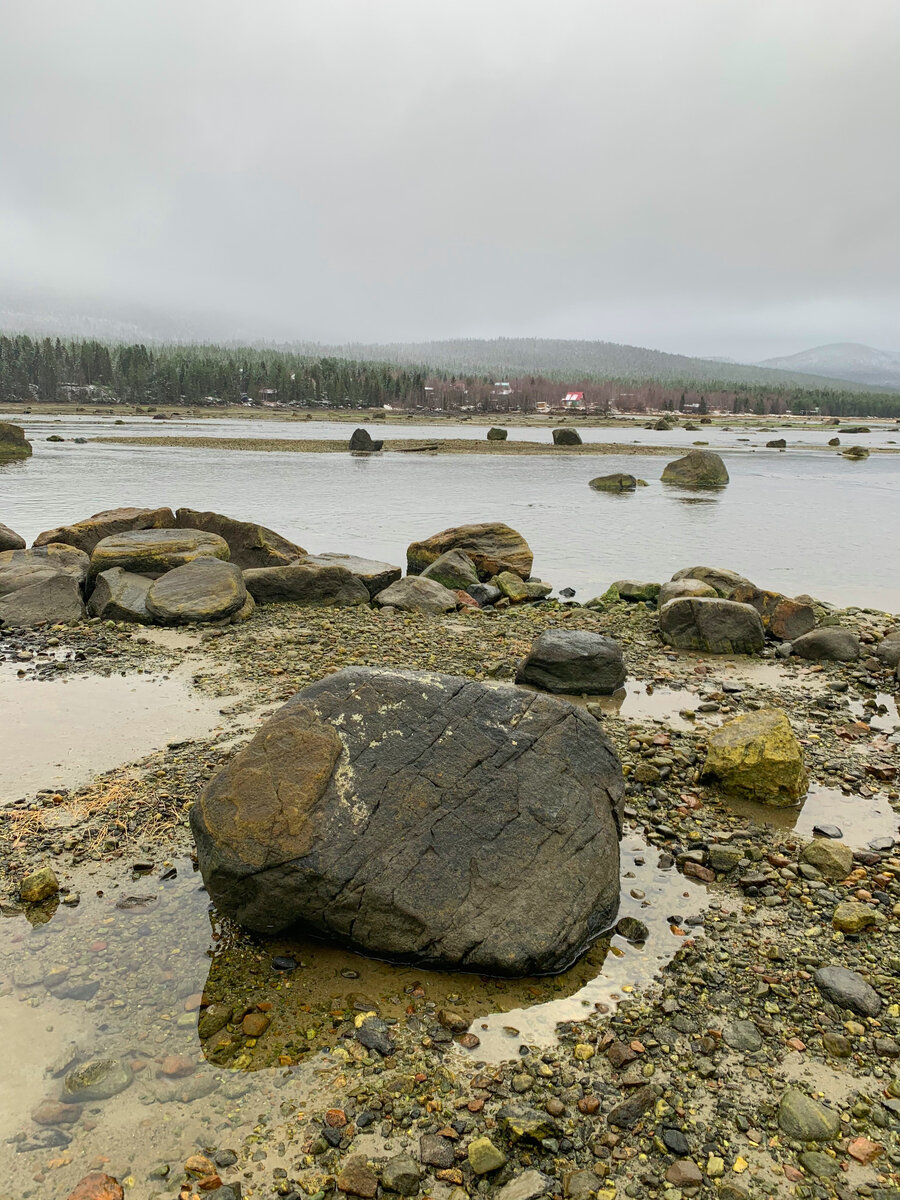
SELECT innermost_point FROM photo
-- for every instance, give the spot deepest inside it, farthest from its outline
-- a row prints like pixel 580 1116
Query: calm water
pixel 798 521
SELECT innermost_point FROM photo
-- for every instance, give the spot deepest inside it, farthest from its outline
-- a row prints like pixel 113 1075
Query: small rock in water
pixel 97 1186
pixel 632 930
pixel 372 1033
pixel 38 886
pixel 828 831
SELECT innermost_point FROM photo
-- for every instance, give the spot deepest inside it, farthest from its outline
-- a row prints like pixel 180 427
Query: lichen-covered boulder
pixel 249 544
pixel 85 534
pixel 420 817
pixel 9 539
pixel 417 594
pixel 492 546
pixel 756 756
pixel 698 469
pixel 205 589
pixel 454 570
pixel 311 584
pixel 21 568
pixel 153 552
pixel 13 443
pixel 713 625
pixel 634 590
pixel 782 617
pixel 676 588
pixel 574 662
pixel 121 596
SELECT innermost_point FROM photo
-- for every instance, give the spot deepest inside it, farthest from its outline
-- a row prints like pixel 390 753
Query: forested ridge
pixel 91 372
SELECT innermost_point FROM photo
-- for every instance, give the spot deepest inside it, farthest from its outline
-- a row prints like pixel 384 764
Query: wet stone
pixel 742 1035
pixel 436 1151
pixel 805 1119
pixel 848 989
pixel 97 1080
pixel 402 1175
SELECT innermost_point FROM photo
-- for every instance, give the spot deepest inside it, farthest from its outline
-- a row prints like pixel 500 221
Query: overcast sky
pixel 703 176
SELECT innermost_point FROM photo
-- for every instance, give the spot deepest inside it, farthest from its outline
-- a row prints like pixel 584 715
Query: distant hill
pixel 573 360
pixel 844 360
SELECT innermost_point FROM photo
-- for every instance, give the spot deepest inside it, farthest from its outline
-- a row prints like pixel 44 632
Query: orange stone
pixel 199 1164
pixel 97 1186
pixel 255 1024
pixel 336 1118
pixel 864 1151
pixel 176 1066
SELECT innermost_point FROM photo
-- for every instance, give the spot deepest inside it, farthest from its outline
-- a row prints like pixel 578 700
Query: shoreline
pixel 751 960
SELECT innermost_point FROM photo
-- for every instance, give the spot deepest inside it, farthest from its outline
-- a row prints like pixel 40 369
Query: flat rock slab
pixel 312 584
pixel 153 552
pixel 375 575
pixel 250 545
pixel 21 568
pixel 85 534
pixel 493 547
pixel 421 817
pixel 121 596
pixel 712 625
pixel 206 589
pixel 574 662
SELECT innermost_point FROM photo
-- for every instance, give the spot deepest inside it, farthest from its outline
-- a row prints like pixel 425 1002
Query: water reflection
pixel 861 819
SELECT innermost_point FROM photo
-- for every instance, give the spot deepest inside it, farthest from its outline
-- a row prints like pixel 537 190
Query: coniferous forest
pixel 90 372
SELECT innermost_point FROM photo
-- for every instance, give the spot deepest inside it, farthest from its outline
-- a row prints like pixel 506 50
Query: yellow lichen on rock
pixel 756 756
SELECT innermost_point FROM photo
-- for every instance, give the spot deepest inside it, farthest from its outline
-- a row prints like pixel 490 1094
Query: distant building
pixel 502 388
pixel 573 400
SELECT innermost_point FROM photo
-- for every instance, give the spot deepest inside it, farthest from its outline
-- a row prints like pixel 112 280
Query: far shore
pixel 441 446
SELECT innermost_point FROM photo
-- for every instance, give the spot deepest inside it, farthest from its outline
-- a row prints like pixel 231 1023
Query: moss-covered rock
pixel 757 757
pixel 13 443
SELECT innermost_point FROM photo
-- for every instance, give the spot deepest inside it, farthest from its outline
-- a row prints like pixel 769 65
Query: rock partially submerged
pixel 566 437
pixel 421 817
pixel 13 443
pixel 618 482
pixel 698 469
pixel 85 534
pixel 492 546
pixel 495 434
pixel 756 756
pixel 152 552
pixel 573 662
pixel 361 442
pixel 716 626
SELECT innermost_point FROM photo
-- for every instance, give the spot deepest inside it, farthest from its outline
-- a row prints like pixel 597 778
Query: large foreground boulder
pixel 205 589
pixel 831 644
pixel 374 574
pixel 20 568
pixel 85 534
pixel 756 756
pixel 47 601
pixel 782 617
pixel 720 579
pixel 361 442
pixel 566 437
pixel 311 584
pixel 13 443
pixel 417 594
pixel 574 662
pixel 493 547
pixel 121 596
pixel 420 817
pixel 250 545
pixel 698 469
pixel 10 540
pixel 715 626
pixel 153 552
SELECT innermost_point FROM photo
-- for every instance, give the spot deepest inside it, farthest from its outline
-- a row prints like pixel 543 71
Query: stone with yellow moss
pixel 756 756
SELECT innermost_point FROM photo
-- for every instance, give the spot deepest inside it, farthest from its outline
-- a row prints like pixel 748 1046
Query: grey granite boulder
pixel 573 661
pixel 720 579
pixel 374 574
pixel 831 644
pixel 312 584
pixel 416 594
pixel 9 539
pixel 421 817
pixel 121 596
pixel 48 601
pixel 712 625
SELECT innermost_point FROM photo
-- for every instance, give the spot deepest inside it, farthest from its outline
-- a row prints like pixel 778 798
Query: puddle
pixel 121 976
pixel 60 733
pixel 639 701
pixel 859 818
pixel 884 716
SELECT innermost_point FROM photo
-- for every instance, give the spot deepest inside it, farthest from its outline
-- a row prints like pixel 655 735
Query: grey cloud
pixel 707 176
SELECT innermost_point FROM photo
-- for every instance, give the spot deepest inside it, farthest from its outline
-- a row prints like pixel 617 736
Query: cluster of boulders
pixel 697 469
pixel 153 565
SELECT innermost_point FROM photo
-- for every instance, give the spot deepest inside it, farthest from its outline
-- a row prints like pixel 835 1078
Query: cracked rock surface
pixel 423 817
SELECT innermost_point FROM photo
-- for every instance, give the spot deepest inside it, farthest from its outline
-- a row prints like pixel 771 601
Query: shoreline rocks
pixel 84 535
pixel 306 583
pixel 422 817
pixel 713 625
pixel 566 437
pixel 361 442
pixel 153 552
pixel 249 544
pixel 9 539
pixel 757 756
pixel 574 662
pixel 206 589
pixel 698 469
pixel 13 443
pixel 416 593
pixel 618 482
pixel 492 546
